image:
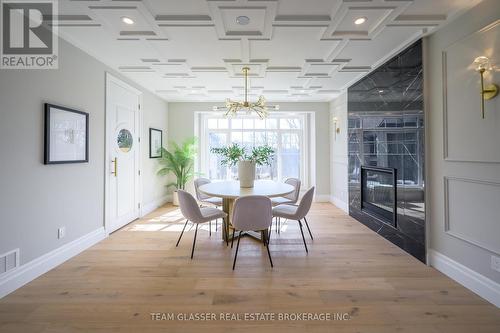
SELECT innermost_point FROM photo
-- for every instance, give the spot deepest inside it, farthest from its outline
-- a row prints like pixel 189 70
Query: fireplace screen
pixel 378 193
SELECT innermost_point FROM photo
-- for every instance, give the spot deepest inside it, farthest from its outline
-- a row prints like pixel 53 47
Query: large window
pixel 286 133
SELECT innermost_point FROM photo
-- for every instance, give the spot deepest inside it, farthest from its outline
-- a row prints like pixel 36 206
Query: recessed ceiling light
pixel 360 20
pixel 127 20
pixel 243 20
pixel 381 91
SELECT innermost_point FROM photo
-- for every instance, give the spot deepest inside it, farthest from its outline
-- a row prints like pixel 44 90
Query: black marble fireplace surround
pixel 386 132
pixel 379 193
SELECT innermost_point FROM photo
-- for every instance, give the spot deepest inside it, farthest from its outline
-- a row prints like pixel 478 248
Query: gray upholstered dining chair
pixel 252 213
pixel 297 212
pixel 290 198
pixel 206 199
pixel 192 212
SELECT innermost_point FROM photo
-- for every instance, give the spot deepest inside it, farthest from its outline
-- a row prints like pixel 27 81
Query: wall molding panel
pixel 461 147
pixel 452 224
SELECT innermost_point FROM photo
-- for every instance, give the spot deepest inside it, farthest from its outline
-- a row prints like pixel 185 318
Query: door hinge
pixel 139 139
pixel 139 106
pixel 139 205
pixel 139 172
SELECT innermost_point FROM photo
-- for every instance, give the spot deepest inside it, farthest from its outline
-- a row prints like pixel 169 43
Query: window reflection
pixel 388 141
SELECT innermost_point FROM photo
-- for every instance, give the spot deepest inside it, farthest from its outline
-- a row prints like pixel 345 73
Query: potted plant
pixel 236 155
pixel 179 161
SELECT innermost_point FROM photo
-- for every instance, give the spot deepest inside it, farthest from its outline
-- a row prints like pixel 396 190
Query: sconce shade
pixel 336 127
pixel 482 63
pixel 487 92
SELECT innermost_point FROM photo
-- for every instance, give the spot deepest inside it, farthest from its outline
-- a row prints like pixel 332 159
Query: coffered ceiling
pixel 297 50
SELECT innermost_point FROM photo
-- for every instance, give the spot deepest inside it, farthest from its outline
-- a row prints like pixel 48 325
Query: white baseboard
pixel 481 285
pixel 150 207
pixel 25 273
pixel 321 198
pixel 340 204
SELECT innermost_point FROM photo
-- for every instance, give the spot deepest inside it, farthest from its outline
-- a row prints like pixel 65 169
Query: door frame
pixel 109 131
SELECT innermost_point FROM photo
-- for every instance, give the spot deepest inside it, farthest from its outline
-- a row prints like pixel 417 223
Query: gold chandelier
pixel 233 107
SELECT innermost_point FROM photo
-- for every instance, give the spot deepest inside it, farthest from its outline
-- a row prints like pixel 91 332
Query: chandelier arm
pixel 233 107
pixel 259 112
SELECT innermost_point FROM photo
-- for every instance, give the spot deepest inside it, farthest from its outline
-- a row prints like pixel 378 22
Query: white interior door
pixel 123 153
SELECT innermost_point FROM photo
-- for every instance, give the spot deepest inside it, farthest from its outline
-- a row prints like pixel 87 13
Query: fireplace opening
pixel 378 193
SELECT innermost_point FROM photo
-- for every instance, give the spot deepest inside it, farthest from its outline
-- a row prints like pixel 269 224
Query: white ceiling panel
pixel 297 50
pixel 291 46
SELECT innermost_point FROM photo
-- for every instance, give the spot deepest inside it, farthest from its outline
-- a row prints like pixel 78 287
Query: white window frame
pixel 306 137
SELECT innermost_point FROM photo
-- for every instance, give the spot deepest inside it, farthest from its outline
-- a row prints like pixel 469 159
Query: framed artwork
pixel 155 142
pixel 66 137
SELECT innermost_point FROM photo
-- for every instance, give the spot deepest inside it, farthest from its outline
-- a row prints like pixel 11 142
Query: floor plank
pixel 116 285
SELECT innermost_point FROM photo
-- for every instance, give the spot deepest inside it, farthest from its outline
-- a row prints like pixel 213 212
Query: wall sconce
pixel 336 126
pixel 490 91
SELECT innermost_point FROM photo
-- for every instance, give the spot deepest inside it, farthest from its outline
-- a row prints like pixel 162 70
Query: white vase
pixel 246 173
pixel 175 199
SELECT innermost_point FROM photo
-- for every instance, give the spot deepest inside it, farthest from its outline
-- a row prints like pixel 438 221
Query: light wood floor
pixel 115 285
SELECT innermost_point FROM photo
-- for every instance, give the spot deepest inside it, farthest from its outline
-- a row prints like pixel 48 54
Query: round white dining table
pixel 229 191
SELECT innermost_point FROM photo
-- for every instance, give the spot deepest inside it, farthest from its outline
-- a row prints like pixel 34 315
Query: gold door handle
pixel 115 164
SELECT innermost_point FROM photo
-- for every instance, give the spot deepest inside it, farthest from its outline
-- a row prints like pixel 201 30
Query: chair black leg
pixel 223 230
pixel 308 229
pixel 232 239
pixel 210 228
pixel 185 224
pixel 266 243
pixel 303 238
pixel 278 225
pixel 226 230
pixel 194 240
pixel 237 247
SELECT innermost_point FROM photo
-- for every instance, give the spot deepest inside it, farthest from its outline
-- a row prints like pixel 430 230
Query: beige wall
pixel 37 199
pixel 181 126
pixel 338 153
pixel 463 182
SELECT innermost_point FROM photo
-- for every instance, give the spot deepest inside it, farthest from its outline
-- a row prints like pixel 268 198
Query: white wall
pixel 37 199
pixel 155 116
pixel 181 126
pixel 462 185
pixel 338 153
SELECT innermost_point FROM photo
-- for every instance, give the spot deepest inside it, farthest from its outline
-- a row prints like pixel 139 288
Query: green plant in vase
pixel 179 161
pixel 236 155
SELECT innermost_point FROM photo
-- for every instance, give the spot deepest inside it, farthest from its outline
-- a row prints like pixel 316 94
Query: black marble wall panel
pixel 386 129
